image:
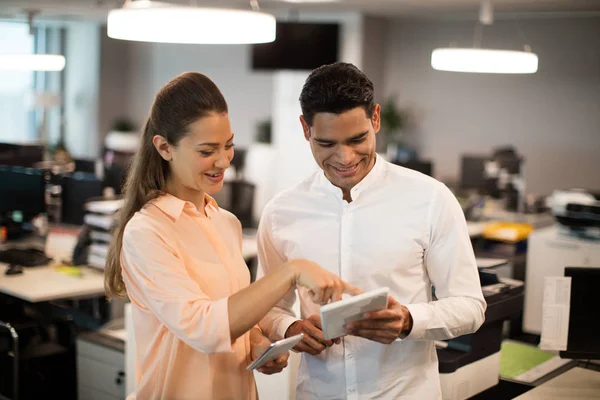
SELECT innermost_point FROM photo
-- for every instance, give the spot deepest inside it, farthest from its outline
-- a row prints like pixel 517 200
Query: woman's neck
pixel 196 197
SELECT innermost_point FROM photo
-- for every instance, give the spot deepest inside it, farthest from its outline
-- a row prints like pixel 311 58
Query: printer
pixel 577 211
pixel 470 364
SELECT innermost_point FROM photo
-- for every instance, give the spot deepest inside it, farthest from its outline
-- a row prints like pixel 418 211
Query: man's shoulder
pixel 288 197
pixel 402 176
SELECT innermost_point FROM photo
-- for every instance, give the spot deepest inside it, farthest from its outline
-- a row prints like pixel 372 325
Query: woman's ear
pixel 163 147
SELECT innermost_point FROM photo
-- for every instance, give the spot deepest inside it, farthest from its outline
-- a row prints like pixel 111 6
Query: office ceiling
pixel 97 9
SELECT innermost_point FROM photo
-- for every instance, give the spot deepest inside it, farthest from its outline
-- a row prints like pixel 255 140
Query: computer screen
pixel 24 155
pixel 298 46
pixel 22 189
pixel 472 172
pixel 424 167
pixel 584 314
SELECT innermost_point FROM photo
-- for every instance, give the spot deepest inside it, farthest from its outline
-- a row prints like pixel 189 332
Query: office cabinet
pixel 100 369
pixel 548 253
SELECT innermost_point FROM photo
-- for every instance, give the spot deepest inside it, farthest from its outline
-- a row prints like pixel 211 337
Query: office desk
pixel 44 283
pixel 37 284
pixel 576 383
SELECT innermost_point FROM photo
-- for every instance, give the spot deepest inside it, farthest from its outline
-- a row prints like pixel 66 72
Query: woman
pixel 177 256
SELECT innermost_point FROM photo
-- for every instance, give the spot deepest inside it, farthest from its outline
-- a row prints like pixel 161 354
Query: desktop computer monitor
pixel 584 314
pixel 422 166
pixel 24 155
pixel 77 189
pixel 472 173
pixel 22 189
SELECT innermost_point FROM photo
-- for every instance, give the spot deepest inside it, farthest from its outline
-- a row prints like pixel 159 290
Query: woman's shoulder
pixel 147 221
pixel 230 219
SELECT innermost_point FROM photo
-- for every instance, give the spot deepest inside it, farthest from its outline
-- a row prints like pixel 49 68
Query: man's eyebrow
pixel 214 144
pixel 353 138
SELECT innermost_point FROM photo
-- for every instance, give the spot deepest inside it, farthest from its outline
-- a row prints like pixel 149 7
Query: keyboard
pixel 24 257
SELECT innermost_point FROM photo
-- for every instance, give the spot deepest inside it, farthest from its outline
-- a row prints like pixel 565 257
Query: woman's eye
pixel 206 153
pixel 230 146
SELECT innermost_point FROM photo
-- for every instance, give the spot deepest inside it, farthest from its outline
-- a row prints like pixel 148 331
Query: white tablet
pixel 335 315
pixel 275 350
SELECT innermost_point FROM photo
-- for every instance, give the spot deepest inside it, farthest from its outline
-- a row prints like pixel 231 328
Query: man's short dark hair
pixel 336 88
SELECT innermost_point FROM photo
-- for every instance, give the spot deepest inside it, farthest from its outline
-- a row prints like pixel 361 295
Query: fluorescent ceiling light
pixel 32 62
pixel 149 21
pixel 484 61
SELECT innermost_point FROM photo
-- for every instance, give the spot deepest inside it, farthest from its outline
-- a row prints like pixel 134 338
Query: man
pixel 375 224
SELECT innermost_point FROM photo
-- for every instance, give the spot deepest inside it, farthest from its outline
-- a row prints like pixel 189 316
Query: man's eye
pixel 326 144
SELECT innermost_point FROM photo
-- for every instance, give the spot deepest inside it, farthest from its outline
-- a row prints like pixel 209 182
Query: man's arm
pixel 452 269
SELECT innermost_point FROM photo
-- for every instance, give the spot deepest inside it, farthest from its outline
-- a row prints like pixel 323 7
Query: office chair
pixel 237 197
pixel 14 348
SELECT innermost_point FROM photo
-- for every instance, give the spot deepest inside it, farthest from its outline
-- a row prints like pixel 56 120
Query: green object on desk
pixel 69 270
pixel 518 358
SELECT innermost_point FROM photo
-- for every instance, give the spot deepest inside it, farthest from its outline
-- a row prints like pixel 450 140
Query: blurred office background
pixel 504 143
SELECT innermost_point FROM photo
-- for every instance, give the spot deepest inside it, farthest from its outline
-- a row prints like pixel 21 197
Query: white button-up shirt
pixel 403 230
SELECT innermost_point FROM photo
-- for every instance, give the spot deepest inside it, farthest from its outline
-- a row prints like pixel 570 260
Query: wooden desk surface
pixel 45 283
pixel 576 383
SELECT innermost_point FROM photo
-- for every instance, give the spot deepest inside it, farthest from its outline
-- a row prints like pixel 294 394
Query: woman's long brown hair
pixel 178 104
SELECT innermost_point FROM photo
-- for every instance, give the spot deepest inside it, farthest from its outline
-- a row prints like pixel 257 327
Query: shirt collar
pixel 373 176
pixel 173 206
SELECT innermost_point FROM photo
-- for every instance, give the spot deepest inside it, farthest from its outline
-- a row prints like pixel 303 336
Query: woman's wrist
pixel 256 335
pixel 291 272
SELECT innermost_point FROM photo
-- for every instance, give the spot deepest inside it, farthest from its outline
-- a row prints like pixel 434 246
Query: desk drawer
pixel 100 368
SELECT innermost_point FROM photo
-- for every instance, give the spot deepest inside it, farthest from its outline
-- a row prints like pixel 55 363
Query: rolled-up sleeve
pixel 156 280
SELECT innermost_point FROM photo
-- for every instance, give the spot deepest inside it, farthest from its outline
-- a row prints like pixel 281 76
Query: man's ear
pixel 376 118
pixel 163 147
pixel 305 127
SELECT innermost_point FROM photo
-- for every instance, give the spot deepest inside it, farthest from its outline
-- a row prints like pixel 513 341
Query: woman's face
pixel 198 162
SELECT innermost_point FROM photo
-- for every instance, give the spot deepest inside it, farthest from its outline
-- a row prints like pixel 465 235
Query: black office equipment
pixel 584 314
pixel 239 162
pixel 237 197
pixel 22 189
pixel 83 165
pixel 472 172
pixel 24 155
pixel 78 188
pixel 425 167
pixel 24 257
pixel 298 46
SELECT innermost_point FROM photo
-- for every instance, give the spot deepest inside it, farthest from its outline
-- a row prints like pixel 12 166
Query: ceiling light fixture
pixel 151 21
pixel 32 62
pixel 478 60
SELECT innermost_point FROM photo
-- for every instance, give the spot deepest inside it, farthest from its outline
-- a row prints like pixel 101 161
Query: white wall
pixel 552 117
pixel 248 93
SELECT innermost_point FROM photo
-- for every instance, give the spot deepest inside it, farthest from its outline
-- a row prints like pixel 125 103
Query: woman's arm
pixel 248 306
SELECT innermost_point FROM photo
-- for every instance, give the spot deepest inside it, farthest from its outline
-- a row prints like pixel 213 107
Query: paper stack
pixel 101 217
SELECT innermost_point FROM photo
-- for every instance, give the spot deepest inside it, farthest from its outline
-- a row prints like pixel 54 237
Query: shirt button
pixel 349 355
pixel 351 390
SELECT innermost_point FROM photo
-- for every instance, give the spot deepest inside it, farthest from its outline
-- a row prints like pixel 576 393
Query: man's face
pixel 343 145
